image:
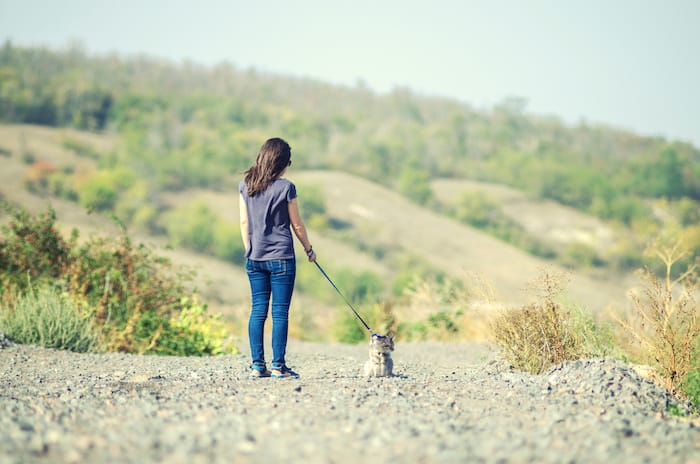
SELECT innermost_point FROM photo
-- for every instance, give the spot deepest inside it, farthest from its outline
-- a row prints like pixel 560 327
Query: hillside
pixel 379 228
pixel 391 221
pixel 550 221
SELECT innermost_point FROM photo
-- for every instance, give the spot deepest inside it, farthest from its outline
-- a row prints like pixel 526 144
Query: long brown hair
pixel 274 156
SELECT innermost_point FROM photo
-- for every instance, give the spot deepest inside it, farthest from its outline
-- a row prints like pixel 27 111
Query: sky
pixel 629 64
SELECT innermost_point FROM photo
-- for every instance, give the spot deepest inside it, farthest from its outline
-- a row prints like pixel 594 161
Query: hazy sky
pixel 630 64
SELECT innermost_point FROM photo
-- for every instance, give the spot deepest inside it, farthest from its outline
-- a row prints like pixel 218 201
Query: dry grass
pixel 663 326
pixel 538 335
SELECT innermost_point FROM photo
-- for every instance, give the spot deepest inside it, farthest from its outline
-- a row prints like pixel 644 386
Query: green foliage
pixel 47 317
pixel 195 333
pixel 440 325
pixel 312 205
pixel 479 210
pixel 194 225
pixel 81 148
pixel 101 189
pixel 137 301
pixel 31 248
pixel 692 386
pixel 197 132
pixel 579 255
pixel 356 286
pixel 191 225
pixel 415 184
pixel 347 327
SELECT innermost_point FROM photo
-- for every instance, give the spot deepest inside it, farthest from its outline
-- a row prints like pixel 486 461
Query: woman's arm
pixel 299 229
pixel 243 215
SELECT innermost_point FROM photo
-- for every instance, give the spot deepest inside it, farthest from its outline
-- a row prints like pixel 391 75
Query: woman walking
pixel 269 211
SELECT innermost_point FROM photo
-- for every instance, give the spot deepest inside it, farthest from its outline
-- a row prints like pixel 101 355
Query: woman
pixel 268 207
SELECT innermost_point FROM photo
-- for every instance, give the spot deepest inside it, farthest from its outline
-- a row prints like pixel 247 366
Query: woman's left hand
pixel 312 256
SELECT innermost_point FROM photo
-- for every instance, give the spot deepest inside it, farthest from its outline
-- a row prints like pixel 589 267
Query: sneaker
pixel 256 373
pixel 283 373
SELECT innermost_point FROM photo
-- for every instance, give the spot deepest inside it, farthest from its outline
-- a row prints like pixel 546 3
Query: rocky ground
pixel 447 403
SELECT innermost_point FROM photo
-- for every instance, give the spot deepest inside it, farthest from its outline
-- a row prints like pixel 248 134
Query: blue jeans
pixel 276 278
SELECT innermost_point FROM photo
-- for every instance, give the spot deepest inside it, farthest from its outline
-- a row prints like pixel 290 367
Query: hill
pixel 379 230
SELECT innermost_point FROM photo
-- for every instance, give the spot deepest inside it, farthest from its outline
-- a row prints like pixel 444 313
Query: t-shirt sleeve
pixel 291 192
pixel 241 186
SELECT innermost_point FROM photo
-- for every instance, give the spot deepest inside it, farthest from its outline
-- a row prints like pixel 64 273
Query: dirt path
pixel 447 403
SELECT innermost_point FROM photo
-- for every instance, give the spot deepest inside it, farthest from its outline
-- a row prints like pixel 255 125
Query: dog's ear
pixel 391 335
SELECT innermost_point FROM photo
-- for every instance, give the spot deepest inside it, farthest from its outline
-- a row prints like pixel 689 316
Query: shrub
pixel 195 333
pixel 227 243
pixel 31 247
pixel 46 317
pixel 191 225
pixel 432 309
pixel 138 302
pixel 312 201
pixel 415 184
pixel 349 329
pixel 101 189
pixel 578 255
pixel 663 328
pixel 544 333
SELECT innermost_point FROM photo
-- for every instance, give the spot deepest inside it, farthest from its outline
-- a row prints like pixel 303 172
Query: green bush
pixel 101 189
pixel 138 301
pixel 580 255
pixel 347 327
pixel 31 248
pixel 415 184
pixel 194 225
pixel 227 242
pixel 46 317
pixel 191 225
pixel 312 202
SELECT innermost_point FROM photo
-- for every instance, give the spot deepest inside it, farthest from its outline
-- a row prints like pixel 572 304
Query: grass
pixel 47 317
pixel 544 333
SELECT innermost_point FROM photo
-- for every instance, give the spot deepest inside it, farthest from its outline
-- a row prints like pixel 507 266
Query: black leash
pixel 343 296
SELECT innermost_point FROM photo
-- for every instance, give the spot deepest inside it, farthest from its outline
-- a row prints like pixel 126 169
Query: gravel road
pixel 447 403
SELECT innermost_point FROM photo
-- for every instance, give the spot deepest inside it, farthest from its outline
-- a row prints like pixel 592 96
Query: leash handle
pixel 343 296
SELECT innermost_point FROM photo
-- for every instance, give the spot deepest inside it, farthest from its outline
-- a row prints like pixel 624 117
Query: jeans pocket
pixel 249 266
pixel 278 267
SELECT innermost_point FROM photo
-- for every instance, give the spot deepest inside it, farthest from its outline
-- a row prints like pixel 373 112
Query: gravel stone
pixel 447 403
pixel 4 341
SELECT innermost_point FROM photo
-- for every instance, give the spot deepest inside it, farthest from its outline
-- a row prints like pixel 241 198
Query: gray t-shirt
pixel 268 221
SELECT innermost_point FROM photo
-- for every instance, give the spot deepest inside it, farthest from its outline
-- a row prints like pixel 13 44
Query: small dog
pixel 380 363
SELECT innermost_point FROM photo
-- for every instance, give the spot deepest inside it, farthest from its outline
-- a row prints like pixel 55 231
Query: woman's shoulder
pixel 284 183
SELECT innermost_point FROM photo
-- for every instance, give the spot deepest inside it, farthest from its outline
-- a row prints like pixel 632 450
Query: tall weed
pixel 663 327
